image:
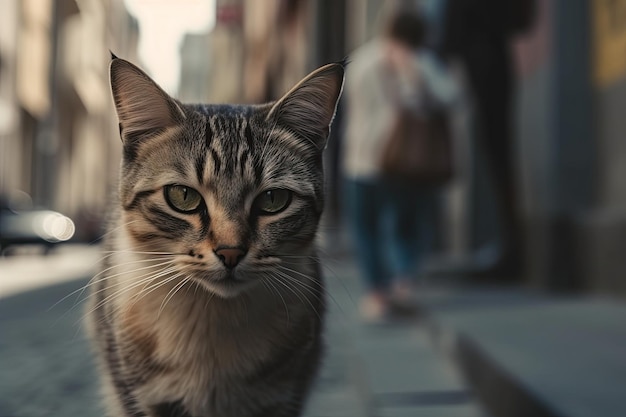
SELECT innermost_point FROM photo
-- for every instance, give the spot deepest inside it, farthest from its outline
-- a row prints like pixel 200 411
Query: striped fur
pixel 177 330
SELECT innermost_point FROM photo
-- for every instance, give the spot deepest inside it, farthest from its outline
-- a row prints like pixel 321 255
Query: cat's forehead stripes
pixel 200 157
pixel 230 149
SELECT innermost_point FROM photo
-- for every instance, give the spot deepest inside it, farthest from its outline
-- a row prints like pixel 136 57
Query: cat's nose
pixel 230 256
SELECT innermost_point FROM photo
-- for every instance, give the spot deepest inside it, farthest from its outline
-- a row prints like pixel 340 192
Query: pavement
pixel 526 353
pixel 471 351
pixel 391 370
pixel 30 269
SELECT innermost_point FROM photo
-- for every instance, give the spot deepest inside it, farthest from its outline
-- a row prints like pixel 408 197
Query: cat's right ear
pixel 308 108
pixel 143 108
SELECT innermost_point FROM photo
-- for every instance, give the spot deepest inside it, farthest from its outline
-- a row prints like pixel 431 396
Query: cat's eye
pixel 272 201
pixel 182 198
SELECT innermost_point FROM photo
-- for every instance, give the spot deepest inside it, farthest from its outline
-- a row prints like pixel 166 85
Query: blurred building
pixel 59 142
pixel 255 53
pixel 569 125
pixel 571 150
pixel 12 173
pixel 195 72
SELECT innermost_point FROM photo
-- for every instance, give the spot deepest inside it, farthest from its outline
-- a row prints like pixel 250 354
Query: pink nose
pixel 230 256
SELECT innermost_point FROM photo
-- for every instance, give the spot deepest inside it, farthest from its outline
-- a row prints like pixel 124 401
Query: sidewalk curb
pixel 501 393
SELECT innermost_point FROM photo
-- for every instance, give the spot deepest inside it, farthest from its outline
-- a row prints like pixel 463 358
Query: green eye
pixel 272 201
pixel 182 199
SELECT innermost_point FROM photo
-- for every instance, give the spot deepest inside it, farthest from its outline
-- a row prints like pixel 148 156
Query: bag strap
pixel 392 80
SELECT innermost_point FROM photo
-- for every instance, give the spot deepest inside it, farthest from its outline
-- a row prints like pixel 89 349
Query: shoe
pixel 402 291
pixel 373 308
pixel 402 302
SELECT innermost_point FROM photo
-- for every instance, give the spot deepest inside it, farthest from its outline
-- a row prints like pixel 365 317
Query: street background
pixel 47 368
pixel 552 343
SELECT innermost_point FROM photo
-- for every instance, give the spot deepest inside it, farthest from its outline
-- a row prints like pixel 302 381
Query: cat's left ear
pixel 143 108
pixel 308 108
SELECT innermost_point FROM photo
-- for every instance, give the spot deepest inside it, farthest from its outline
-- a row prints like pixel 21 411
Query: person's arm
pixel 442 85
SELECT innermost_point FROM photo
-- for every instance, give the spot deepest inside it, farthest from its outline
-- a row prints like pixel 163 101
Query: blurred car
pixel 33 226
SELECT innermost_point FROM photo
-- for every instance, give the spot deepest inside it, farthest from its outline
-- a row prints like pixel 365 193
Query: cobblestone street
pixel 523 353
pixel 46 364
pixel 392 370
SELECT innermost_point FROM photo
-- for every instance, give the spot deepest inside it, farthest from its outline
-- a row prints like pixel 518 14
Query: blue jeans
pixel 392 227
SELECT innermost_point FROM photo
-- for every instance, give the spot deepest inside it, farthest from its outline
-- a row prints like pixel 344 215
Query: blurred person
pixel 478 34
pixel 393 67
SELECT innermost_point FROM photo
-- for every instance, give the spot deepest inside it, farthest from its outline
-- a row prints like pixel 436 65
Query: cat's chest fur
pixel 201 349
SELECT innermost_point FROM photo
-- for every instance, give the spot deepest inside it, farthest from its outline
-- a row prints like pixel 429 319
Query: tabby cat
pixel 210 301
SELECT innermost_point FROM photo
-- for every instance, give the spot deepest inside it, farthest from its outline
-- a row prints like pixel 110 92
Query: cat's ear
pixel 308 108
pixel 143 108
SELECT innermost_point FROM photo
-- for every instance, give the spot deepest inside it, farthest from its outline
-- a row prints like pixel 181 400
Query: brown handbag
pixel 419 148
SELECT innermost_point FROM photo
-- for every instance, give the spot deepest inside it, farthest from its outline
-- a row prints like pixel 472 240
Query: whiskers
pixel 129 276
pixel 286 279
pixel 184 280
pixel 326 263
pixel 141 273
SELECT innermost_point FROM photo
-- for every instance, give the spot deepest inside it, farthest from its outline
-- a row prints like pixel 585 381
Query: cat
pixel 210 300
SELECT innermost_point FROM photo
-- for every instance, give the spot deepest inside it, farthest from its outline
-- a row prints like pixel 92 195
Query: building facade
pixel 60 145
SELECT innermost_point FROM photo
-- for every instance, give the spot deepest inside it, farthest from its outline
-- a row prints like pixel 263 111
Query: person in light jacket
pixel 391 222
